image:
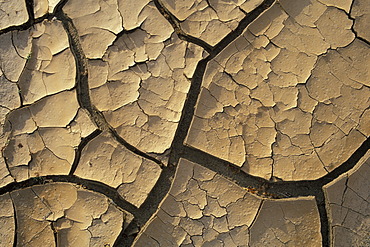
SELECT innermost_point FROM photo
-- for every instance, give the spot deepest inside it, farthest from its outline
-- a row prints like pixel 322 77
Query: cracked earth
pixel 184 123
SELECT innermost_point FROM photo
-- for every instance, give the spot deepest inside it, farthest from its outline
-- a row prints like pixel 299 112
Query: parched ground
pixel 184 123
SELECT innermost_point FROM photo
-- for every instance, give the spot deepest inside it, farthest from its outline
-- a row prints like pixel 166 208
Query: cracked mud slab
pixel 43 7
pixel 32 149
pixel 37 71
pixel 97 97
pixel 142 95
pixel 107 161
pixel 12 13
pixel 348 206
pixel 50 64
pixel 277 102
pixel 6 221
pixel 204 209
pixel 361 13
pixel 209 20
pixel 62 214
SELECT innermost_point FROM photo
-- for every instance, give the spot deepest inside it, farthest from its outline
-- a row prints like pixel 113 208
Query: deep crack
pixel 257 185
pixel 82 87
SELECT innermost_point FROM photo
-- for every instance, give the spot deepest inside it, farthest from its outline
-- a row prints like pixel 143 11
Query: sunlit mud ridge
pixel 184 123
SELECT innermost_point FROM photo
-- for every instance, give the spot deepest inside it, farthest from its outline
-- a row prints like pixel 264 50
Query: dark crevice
pixel 187 112
pixel 92 185
pixel 281 189
pixel 15 241
pixel 324 222
pixel 222 167
pixel 31 19
pixel 148 208
pixel 155 196
pixel 278 189
pixel 353 24
pixel 210 6
pixel 178 150
pixel 250 17
pixel 195 88
pixel 176 26
pixel 133 149
pixel 161 188
pixel 82 86
pixel 55 233
pixel 313 187
pixel 58 8
pixel 213 50
pixel 79 149
pixel 30 10
pixel 363 40
pixel 347 165
pixel 127 235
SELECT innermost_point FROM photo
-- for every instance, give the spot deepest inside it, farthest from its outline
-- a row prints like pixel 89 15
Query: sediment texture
pixel 184 123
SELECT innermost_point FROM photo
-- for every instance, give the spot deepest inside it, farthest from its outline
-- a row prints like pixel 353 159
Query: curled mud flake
pixel 347 200
pixel 44 113
pixel 50 64
pixel 62 213
pixel 98 34
pixel 12 13
pixel 105 160
pixel 43 7
pixel 82 124
pixel 14 49
pixel 32 148
pixel 340 4
pixel 361 13
pixel 40 153
pixel 274 80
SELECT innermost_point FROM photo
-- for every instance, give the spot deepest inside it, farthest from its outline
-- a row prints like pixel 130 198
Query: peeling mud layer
pixel 184 123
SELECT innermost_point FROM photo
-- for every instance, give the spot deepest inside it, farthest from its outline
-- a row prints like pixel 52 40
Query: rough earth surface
pixel 184 123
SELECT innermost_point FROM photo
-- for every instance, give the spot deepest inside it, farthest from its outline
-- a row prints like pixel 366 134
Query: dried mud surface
pixel 184 123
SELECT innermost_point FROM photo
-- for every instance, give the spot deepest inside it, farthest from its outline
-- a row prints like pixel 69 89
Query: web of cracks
pixel 260 186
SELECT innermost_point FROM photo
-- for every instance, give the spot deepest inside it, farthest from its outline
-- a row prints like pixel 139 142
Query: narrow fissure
pixel 195 88
pixel 347 165
pixel 92 185
pixel 160 190
pixel 149 207
pixel 176 26
pixel 15 241
pixel 79 149
pixel 281 189
pixel 55 233
pixel 82 87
